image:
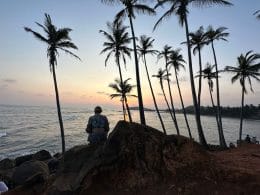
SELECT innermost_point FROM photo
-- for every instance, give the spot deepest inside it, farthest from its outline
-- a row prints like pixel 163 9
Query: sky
pixel 25 77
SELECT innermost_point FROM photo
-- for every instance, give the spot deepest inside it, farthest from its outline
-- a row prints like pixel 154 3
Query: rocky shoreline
pixel 136 159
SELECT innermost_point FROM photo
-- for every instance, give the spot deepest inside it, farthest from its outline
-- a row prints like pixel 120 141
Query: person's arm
pixel 106 124
pixel 89 127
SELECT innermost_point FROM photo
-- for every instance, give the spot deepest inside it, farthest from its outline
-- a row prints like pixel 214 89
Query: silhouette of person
pixel 248 139
pixel 97 127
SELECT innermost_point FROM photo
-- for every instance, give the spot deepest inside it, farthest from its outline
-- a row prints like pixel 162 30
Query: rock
pixel 21 159
pixel 42 155
pixel 6 164
pixel 29 169
pixel 53 165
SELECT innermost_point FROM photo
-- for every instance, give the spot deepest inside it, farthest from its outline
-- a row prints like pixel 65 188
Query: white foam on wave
pixel 3 134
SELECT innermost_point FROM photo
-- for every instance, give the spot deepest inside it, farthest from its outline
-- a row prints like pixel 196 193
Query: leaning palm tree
pixel 257 13
pixel 247 68
pixel 165 54
pixel 176 61
pixel 123 90
pixel 213 35
pixel 56 39
pixel 198 40
pixel 180 9
pixel 162 75
pixel 145 47
pixel 117 45
pixel 209 74
pixel 131 7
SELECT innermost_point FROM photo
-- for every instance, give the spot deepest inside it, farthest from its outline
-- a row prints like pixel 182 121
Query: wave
pixel 3 134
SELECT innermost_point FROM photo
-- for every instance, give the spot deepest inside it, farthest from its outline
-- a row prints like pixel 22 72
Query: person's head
pixel 98 110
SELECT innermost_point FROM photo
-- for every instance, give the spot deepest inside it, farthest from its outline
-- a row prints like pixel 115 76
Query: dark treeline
pixel 249 112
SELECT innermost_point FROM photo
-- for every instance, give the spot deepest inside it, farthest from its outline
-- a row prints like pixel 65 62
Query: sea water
pixel 28 129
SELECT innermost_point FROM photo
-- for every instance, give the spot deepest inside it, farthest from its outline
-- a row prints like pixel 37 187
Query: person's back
pixel 97 127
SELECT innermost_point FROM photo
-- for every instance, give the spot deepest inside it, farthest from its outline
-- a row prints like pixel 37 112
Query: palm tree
pixel 56 39
pixel 131 7
pixel 145 47
pixel 180 9
pixel 213 35
pixel 209 74
pixel 176 61
pixel 257 13
pixel 165 54
pixel 117 45
pixel 247 68
pixel 162 75
pixel 197 40
pixel 123 90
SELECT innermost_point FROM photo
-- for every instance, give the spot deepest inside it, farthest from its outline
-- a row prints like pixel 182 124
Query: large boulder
pixel 7 164
pixel 29 169
pixel 21 159
pixel 42 155
pixel 134 157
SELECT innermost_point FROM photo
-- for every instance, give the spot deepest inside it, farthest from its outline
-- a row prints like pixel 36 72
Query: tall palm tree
pixel 123 90
pixel 162 75
pixel 117 45
pixel 176 61
pixel 213 35
pixel 257 13
pixel 197 40
pixel 165 54
pixel 180 9
pixel 145 47
pixel 56 39
pixel 131 7
pixel 209 74
pixel 247 68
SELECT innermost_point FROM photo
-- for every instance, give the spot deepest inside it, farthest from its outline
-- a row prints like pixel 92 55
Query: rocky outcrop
pixel 28 170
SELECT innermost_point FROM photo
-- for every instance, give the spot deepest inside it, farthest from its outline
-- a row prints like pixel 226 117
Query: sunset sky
pixel 25 77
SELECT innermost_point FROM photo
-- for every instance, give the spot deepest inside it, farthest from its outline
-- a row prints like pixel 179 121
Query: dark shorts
pixel 94 138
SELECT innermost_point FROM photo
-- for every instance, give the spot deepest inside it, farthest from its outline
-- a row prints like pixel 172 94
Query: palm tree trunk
pixel 58 109
pixel 128 110
pixel 121 80
pixel 138 83
pixel 173 109
pixel 222 137
pixel 200 79
pixel 242 108
pixel 194 97
pixel 214 107
pixel 154 100
pixel 182 104
pixel 167 103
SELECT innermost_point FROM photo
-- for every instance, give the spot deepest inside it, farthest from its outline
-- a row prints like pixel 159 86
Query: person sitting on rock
pixel 97 127
pixel 248 139
pixel 254 140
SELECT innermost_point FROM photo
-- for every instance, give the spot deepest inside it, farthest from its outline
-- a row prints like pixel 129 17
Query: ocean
pixel 28 129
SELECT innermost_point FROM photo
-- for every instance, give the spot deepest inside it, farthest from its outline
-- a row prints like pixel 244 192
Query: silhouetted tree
pixel 165 54
pixel 213 35
pixel 257 14
pixel 131 8
pixel 247 68
pixel 56 39
pixel 162 75
pixel 123 91
pixel 176 61
pixel 209 74
pixel 180 9
pixel 197 40
pixel 117 45
pixel 145 47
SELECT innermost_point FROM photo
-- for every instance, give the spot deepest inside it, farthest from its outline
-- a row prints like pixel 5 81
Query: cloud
pixel 8 80
pixel 102 93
